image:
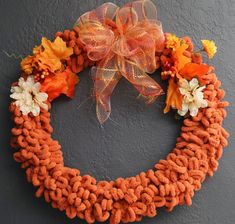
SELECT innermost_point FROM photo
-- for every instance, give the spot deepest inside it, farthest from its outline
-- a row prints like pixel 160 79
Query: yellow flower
pixel 172 41
pixel 209 47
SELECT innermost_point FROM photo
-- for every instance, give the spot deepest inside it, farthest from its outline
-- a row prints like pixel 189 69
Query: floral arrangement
pixel 119 42
pixel 185 71
pixel 115 56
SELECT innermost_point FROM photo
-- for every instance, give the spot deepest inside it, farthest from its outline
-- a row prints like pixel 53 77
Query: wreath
pixel 119 42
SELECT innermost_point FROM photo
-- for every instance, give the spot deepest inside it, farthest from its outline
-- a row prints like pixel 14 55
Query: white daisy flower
pixel 193 97
pixel 28 97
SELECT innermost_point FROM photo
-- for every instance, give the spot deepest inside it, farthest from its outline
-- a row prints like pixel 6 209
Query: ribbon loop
pixel 126 49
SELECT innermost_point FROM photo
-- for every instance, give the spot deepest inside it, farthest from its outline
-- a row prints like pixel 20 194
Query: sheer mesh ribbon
pixel 127 49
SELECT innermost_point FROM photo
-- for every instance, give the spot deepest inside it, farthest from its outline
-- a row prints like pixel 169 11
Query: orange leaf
pixel 174 98
pixel 191 70
pixel 179 58
pixel 60 83
pixel 57 48
pixel 52 54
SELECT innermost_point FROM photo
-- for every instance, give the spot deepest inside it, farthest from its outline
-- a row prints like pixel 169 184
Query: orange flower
pixel 209 47
pixel 174 98
pixel 60 83
pixel 47 56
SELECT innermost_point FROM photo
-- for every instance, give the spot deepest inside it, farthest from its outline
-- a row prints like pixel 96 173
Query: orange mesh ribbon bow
pixel 127 48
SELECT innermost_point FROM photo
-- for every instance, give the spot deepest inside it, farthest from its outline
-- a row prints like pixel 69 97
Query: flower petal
pixel 193 109
pixel 35 110
pixel 44 106
pixel 41 97
pixel 184 86
pixel 204 104
pixel 193 83
pixel 15 96
pixel 184 110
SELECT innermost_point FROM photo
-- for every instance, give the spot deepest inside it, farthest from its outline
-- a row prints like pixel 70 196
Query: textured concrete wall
pixel 137 136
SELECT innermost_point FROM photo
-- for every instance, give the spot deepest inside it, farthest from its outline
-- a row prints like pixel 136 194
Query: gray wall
pixel 137 136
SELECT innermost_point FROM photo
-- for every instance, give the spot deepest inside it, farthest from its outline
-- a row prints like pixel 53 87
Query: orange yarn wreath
pixel 172 182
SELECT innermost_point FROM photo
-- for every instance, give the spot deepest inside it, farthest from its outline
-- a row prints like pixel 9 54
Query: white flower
pixel 193 97
pixel 28 96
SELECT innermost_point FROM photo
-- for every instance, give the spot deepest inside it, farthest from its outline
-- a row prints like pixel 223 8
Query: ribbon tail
pixel 105 80
pixel 148 88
